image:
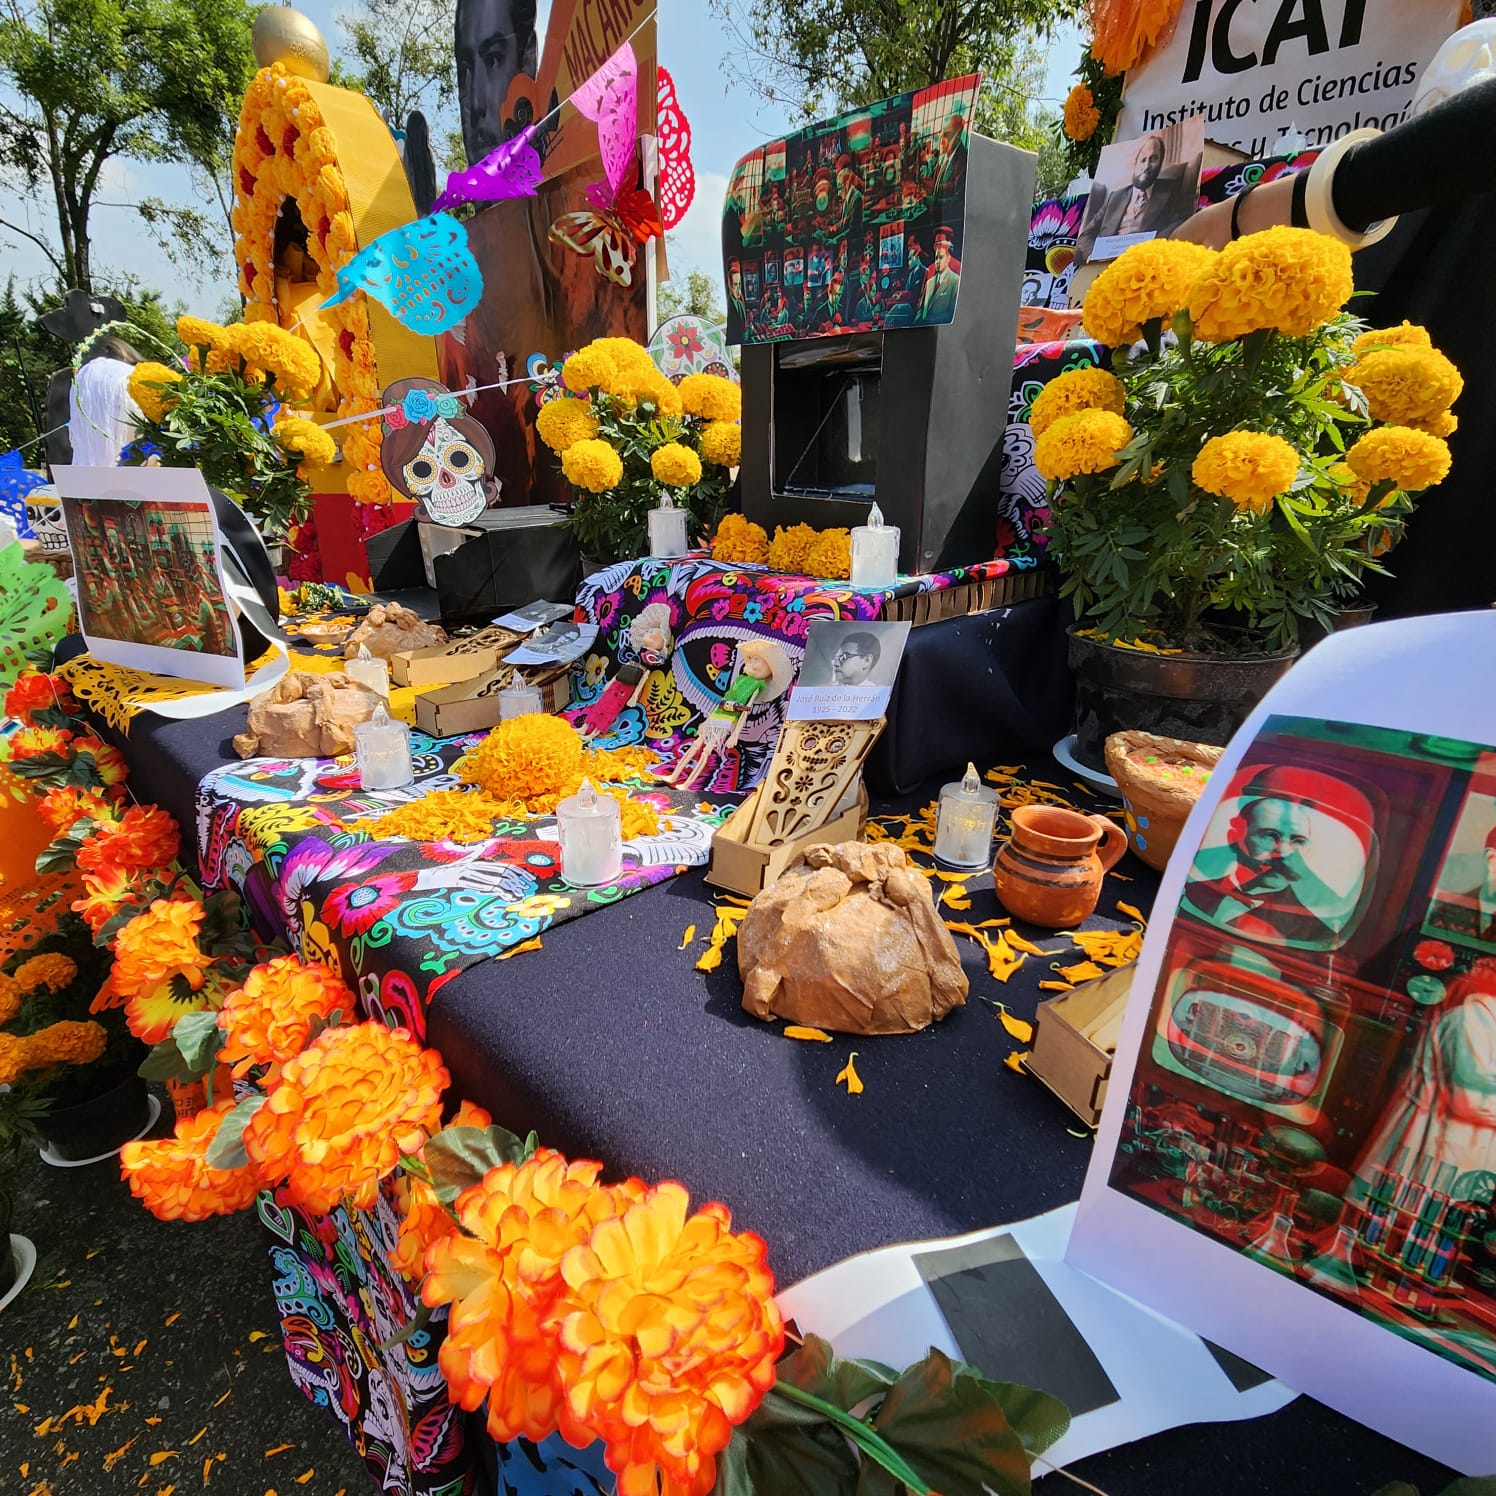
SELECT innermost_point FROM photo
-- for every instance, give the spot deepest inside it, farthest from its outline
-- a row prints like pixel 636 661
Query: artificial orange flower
pixel 108 761
pixel 423 1218
pixel 161 970
pixel 342 1113
pixel 145 837
pixel 153 1009
pixel 61 809
pixel 105 892
pixel 33 742
pixel 171 1177
pixel 270 1019
pixel 32 692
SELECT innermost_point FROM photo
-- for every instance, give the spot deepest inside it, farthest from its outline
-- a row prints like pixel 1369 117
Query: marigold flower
pixel 1410 460
pixel 158 944
pixel 1076 389
pixel 51 970
pixel 12 1058
pixel 32 692
pixel 307 439
pixel 270 1019
pixel 711 397
pixel 1443 423
pixel 1406 384
pixel 1292 280
pixel 588 369
pixel 144 837
pixel 524 757
pixel 65 1043
pixel 343 1112
pixel 292 361
pixel 1080 113
pixel 1145 282
pixel 675 465
pixel 739 540
pixel 171 1177
pixel 1405 335
pixel 563 423
pixel 62 809
pixel 722 443
pixel 592 464
pixel 1251 468
pixel 1087 442
pixel 197 332
pixel 831 555
pixel 790 548
pixel 151 388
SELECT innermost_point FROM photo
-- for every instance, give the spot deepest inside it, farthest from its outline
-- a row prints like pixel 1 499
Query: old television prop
pixel 873 267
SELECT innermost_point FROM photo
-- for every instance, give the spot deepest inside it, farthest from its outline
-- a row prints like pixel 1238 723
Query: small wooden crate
pixel 441 665
pixel 748 867
pixel 1075 1041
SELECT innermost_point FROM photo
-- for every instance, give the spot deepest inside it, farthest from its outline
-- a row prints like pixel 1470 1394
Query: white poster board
pixel 1255 68
pixel 1298 1151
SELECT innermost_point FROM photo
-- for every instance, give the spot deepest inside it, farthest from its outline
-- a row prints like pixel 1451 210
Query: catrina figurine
pixel 764 673
pixel 651 641
pixel 436 453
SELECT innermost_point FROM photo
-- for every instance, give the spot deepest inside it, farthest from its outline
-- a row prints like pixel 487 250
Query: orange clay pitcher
pixel 1049 873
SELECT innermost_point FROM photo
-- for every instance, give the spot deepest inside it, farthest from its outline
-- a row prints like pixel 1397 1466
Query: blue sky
pixel 726 121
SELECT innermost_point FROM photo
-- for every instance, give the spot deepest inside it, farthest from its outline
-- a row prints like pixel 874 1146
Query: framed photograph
pixel 1143 189
pixel 148 560
pixel 848 671
pixel 1463 908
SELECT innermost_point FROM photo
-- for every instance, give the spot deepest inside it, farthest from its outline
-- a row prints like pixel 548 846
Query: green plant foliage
pixel 458 1157
pixel 1082 155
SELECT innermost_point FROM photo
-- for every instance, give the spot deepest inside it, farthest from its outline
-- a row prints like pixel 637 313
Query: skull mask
pixel 1465 58
pixel 446 475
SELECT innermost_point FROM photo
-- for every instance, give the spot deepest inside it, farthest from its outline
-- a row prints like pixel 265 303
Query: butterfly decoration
pixel 545 377
pixel 677 175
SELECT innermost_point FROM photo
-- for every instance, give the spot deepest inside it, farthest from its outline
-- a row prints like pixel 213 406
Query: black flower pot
pixel 1312 631
pixel 1202 698
pixel 98 1124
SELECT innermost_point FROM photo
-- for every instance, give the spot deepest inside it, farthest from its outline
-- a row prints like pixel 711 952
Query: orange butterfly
pixel 610 231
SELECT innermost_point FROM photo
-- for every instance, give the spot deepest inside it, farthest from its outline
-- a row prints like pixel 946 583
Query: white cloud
pixel 696 242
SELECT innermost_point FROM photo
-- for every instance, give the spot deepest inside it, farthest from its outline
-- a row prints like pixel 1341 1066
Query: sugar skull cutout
pixel 436 453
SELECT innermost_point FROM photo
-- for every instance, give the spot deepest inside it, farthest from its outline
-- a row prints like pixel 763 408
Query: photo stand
pixel 781 818
pixel 1075 1042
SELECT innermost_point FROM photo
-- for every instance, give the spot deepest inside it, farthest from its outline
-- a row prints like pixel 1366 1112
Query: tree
pixel 815 56
pixel 1006 110
pixel 403 57
pixel 699 295
pixel 93 82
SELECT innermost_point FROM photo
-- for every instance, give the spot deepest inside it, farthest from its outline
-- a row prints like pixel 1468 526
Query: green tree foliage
pixel 1009 108
pixel 93 83
pixel 696 293
pixel 816 56
pixel 402 56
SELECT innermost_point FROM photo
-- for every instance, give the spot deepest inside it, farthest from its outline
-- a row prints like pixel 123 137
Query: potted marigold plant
pixel 627 436
pixel 1253 453
pixel 229 414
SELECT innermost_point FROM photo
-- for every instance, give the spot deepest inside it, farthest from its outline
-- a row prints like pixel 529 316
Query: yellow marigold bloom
pixel 148 390
pixel 1081 114
pixel 722 443
pixel 171 1177
pixel 1251 468
pixel 269 1020
pixel 197 332
pixel 1292 280
pixel 1347 477
pixel 675 465
pixel 1086 442
pixel 1405 335
pixel 563 423
pixel 307 439
pixel 738 539
pixel 666 398
pixel 524 757
pixel 342 1113
pixel 1076 389
pixel 711 397
pixel 1410 460
pixel 625 353
pixel 66 1043
pixel 588 369
pixel 1147 281
pixel 1442 423
pixel 592 464
pixel 831 555
pixel 292 361
pixel 790 549
pixel 1406 384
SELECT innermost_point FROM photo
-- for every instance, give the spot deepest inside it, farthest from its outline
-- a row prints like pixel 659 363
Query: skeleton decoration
pixel 436 453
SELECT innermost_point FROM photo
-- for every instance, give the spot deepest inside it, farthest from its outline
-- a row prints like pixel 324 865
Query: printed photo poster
pixel 1297 1159
pixel 147 557
pixel 852 224
pixel 1324 67
pixel 848 671
pixel 1143 189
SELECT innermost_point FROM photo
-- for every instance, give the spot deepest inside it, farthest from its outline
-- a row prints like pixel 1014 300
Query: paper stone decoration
pixel 423 272
pixel 690 345
pixel 511 170
pixel 677 175
pixel 436 453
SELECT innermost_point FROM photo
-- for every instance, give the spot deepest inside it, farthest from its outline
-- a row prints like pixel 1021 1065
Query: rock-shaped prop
pixel 849 939
pixel 388 629
pixel 306 716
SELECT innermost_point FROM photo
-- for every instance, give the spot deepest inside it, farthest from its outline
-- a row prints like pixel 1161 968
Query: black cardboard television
pixel 898 412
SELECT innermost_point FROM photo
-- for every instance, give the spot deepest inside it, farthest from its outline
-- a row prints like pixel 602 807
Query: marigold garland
pixel 1290 280
pixel 1088 441
pixel 1410 460
pixel 1081 116
pixel 1251 468
pixel 740 540
pixel 171 1176
pixel 1076 389
pixel 1147 282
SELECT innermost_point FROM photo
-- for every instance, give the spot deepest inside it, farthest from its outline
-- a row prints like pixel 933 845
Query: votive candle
pixel 875 552
pixel 382 747
pixel 591 832
pixel 369 671
pixel 667 530
pixel 520 700
pixel 965 822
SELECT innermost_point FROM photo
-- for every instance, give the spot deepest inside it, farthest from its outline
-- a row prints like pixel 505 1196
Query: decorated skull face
pixel 1465 58
pixel 446 475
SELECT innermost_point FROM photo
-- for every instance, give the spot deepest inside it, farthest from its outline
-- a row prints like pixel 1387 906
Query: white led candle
pixel 875 552
pixel 520 700
pixel 667 529
pixel 591 831
pixel 383 751
pixel 963 827
pixel 369 671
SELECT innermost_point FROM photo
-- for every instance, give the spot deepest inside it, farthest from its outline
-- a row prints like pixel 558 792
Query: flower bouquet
pixel 227 413
pixel 627 437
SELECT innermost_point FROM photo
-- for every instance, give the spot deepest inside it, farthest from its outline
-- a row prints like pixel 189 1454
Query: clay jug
pixel 1049 872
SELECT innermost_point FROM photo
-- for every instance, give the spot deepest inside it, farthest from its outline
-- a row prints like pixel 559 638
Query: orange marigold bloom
pixel 160 943
pixel 105 892
pixel 12 1058
pixel 171 1177
pixel 677 1334
pixel 342 1113
pixel 53 970
pixel 145 837
pixel 67 1043
pixel 269 1020
pixel 61 809
pixel 11 998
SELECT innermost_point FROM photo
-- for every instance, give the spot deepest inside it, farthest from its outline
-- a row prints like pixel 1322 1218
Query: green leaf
pixel 787 1450
pixel 458 1157
pixel 198 1040
pixel 1039 1419
pixel 226 1151
pixel 418 1322
pixel 816 1368
pixel 165 1062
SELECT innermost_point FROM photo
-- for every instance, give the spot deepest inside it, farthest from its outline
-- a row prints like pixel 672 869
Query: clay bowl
pixel 1159 779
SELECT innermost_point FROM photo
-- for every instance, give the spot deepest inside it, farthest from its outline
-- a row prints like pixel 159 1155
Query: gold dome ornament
pixel 282 34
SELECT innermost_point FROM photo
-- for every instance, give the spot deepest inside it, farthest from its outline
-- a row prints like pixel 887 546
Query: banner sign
pixel 1254 68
